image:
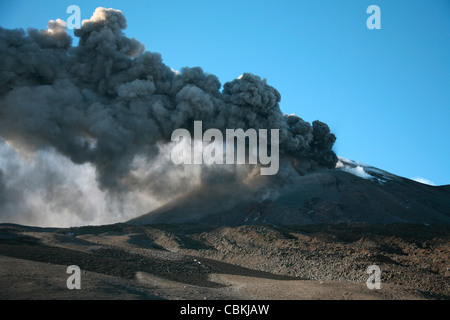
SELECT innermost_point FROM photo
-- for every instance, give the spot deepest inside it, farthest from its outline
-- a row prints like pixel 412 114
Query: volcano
pixel 351 192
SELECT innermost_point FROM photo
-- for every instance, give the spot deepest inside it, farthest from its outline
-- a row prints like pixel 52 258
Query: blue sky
pixel 384 93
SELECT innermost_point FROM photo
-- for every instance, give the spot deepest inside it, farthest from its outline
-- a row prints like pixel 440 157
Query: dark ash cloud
pixel 110 104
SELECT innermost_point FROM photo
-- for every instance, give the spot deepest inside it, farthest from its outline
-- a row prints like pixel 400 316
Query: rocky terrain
pixel 193 261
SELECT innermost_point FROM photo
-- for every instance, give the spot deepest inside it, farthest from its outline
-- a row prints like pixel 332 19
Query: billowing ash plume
pixel 110 104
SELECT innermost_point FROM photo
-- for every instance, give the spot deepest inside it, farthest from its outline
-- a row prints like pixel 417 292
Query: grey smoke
pixel 112 105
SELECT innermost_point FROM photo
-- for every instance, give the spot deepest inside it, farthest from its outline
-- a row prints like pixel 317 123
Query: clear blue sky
pixel 384 93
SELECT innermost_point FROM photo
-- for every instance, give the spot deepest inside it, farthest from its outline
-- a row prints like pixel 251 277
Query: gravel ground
pixel 194 261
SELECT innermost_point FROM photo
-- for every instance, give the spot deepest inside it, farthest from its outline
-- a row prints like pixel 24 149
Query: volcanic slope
pixel 352 192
